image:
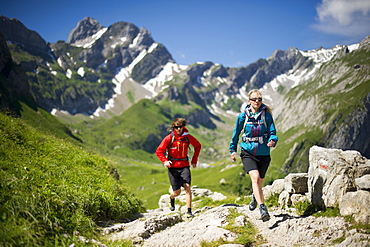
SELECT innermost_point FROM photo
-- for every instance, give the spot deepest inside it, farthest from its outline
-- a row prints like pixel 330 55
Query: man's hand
pixel 233 156
pixel 194 165
pixel 167 163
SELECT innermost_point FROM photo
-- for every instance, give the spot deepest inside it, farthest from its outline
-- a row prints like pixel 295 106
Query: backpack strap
pixel 263 117
pixel 173 139
pixel 264 136
pixel 169 146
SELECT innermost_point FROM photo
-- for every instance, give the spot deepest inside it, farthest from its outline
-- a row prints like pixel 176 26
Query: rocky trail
pixel 335 178
pixel 162 227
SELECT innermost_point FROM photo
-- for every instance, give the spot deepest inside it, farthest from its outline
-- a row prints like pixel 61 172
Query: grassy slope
pixel 50 187
pixel 124 136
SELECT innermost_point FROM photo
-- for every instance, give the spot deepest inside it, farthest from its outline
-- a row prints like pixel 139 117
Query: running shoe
pixel 264 213
pixel 189 215
pixel 253 203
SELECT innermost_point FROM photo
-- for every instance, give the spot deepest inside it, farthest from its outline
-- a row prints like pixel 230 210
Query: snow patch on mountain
pixel 353 47
pixel 322 55
pixel 89 41
pixel 69 73
pixel 81 71
pixel 157 84
pixel 120 42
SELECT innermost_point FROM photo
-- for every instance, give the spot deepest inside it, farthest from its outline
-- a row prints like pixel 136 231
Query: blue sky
pixel 234 33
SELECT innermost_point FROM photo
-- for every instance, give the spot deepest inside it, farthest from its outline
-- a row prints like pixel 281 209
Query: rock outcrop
pixel 335 178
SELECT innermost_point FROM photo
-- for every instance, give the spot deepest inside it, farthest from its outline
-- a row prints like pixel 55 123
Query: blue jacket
pixel 254 128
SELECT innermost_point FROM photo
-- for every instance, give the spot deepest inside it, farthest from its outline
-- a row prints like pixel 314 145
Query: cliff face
pixel 354 132
pixel 14 31
pixel 14 84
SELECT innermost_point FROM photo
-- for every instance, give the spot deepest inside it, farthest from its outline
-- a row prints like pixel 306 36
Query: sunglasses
pixel 256 99
pixel 178 127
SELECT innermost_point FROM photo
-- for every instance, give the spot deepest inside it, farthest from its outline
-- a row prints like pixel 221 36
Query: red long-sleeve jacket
pixel 178 151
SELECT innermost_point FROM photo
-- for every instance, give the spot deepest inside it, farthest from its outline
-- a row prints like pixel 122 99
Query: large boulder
pixel 332 173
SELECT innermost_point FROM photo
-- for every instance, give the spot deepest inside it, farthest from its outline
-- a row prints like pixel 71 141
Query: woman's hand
pixel 233 156
pixel 271 143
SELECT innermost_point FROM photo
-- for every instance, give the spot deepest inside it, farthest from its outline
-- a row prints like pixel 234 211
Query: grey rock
pixel 284 199
pixel 363 183
pixel 356 204
pixel 276 188
pixel 296 198
pixel 296 183
pixel 240 220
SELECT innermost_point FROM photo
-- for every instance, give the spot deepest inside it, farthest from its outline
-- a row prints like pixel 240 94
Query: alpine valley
pixel 115 90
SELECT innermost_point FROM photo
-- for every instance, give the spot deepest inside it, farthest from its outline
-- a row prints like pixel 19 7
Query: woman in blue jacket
pixel 259 135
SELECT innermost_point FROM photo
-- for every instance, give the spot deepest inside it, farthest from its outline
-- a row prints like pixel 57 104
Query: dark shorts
pixel 260 163
pixel 179 176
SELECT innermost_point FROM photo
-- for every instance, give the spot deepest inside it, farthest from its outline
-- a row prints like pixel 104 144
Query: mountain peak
pixel 84 29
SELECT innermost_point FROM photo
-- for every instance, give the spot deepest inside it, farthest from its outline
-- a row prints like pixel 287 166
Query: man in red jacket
pixel 173 152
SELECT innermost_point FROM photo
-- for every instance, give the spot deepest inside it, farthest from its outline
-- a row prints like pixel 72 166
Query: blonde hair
pixel 269 108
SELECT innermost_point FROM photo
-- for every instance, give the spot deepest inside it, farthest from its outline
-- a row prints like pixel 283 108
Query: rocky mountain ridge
pixel 126 52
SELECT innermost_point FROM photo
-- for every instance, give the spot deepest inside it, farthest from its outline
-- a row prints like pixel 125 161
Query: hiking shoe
pixel 264 213
pixel 253 203
pixel 171 204
pixel 189 215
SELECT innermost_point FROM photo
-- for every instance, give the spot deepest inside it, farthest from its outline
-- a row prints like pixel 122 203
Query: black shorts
pixel 179 176
pixel 260 162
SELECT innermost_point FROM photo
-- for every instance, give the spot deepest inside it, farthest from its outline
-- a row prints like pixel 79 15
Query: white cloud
pixel 344 17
